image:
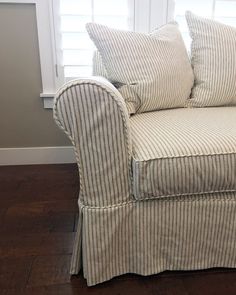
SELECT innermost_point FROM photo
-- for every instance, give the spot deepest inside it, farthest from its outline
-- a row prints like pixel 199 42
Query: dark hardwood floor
pixel 38 215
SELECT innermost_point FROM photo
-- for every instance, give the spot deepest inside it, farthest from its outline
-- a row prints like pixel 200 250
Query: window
pixel 74 49
pixel 220 10
pixel 65 49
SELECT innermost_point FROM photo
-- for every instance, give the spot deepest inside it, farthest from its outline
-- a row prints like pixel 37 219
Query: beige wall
pixel 23 120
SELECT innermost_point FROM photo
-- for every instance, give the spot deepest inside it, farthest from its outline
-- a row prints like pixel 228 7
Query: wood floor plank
pixel 35 244
pixel 47 290
pixel 14 272
pixel 125 287
pixel 140 285
pixel 38 183
pixel 211 283
pixel 2 214
pixel 50 270
pixel 48 191
pixel 36 219
pixel 42 207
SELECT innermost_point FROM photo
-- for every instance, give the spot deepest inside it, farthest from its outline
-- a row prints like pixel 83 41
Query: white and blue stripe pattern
pixel 98 67
pixel 214 62
pixel 118 234
pixel 148 237
pixel 94 116
pixel 184 152
pixel 152 72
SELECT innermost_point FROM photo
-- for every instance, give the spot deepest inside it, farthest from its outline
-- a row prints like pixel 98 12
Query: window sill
pixel 48 100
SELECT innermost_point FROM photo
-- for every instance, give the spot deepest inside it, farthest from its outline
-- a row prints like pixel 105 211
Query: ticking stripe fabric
pixel 98 67
pixel 148 237
pixel 214 62
pixel 184 151
pixel 118 234
pixel 152 72
pixel 94 116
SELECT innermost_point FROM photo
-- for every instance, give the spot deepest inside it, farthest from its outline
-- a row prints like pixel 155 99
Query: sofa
pixel 157 188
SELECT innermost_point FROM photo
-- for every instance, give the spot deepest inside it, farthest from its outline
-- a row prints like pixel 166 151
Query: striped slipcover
pixel 184 151
pixel 117 233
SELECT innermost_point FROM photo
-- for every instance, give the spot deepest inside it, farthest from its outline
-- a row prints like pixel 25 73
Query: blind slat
pixel 76 46
pixel 220 10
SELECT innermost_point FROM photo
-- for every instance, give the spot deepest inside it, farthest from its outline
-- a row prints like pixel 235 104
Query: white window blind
pixel 74 49
pixel 220 10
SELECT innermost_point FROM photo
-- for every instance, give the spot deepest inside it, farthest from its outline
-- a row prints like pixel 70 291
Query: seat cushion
pixel 184 152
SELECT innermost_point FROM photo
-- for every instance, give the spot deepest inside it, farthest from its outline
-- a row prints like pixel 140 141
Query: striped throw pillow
pixel 98 67
pixel 152 72
pixel 213 54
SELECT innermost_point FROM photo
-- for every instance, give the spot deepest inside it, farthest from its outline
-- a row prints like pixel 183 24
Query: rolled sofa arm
pixel 93 114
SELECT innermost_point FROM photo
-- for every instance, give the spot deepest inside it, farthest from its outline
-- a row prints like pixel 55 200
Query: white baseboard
pixel 36 155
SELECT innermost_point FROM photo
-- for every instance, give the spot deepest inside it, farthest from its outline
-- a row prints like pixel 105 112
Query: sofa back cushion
pixel 152 72
pixel 213 54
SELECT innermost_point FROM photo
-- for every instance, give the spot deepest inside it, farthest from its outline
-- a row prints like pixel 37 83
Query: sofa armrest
pixel 93 114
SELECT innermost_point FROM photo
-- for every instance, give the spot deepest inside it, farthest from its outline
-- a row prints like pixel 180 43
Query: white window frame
pixel 149 14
